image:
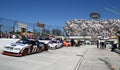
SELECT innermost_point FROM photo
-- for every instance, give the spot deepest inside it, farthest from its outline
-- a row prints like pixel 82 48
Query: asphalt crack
pixel 108 63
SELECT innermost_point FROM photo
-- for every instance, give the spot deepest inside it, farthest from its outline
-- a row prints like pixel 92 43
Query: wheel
pixel 68 45
pixel 39 49
pixel 46 47
pixel 25 52
pixel 56 47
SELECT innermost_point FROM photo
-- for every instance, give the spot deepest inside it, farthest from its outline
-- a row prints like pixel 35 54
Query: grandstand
pixel 81 27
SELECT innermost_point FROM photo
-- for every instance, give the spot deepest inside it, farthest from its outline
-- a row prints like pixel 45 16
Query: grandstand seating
pixel 80 27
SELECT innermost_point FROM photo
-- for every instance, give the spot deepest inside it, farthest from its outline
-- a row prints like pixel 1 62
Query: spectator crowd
pixel 80 27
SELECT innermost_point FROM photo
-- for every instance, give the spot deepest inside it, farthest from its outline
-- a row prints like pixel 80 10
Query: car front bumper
pixel 11 54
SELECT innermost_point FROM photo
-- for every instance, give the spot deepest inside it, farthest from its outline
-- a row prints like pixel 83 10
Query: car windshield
pixel 54 41
pixel 44 38
pixel 23 41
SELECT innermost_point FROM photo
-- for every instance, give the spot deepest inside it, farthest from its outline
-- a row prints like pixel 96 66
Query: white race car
pixel 55 44
pixel 24 47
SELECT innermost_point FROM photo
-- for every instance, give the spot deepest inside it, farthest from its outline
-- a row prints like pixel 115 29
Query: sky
pixel 57 12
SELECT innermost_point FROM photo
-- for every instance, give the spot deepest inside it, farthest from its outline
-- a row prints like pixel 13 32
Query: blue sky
pixel 56 12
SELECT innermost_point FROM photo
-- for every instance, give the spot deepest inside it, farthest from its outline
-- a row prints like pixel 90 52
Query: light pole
pixel 0 28
pixel 14 26
pixel 34 27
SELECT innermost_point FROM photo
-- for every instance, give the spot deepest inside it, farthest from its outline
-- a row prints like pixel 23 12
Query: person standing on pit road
pixel 118 38
pixel 73 42
pixel 102 41
pixel 98 43
pixel 78 43
pixel 119 42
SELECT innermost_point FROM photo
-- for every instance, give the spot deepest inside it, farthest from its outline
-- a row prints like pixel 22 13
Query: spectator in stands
pixel 79 27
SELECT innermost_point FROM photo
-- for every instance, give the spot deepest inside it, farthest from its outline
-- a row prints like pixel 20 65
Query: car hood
pixel 53 44
pixel 17 45
pixel 44 41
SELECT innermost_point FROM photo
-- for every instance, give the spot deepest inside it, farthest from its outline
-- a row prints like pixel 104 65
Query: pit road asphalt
pixel 86 57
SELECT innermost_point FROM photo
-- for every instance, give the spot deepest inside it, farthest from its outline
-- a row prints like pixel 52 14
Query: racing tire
pixel 68 45
pixel 39 49
pixel 56 47
pixel 25 52
pixel 46 47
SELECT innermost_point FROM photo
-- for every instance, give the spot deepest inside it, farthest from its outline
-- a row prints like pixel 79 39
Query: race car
pixel 55 44
pixel 24 47
pixel 66 43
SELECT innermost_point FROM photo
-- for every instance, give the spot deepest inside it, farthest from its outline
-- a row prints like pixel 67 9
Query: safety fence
pixel 9 26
